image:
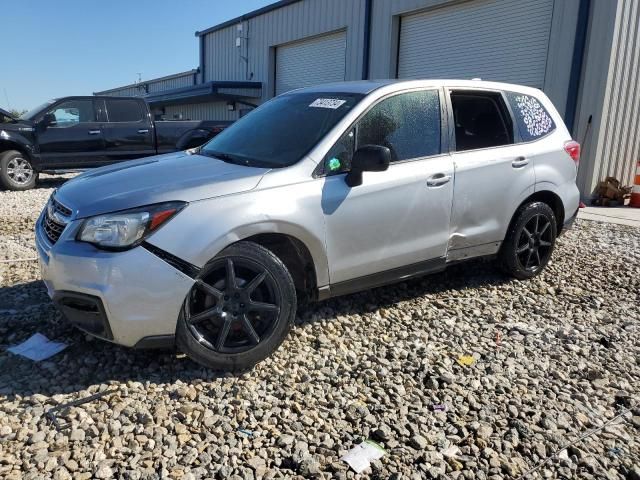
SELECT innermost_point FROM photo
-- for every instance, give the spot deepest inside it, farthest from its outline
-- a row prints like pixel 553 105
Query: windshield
pixel 283 130
pixel 35 111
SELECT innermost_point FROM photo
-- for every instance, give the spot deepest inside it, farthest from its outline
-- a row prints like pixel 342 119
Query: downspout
pixel 576 64
pixel 367 39
pixel 202 58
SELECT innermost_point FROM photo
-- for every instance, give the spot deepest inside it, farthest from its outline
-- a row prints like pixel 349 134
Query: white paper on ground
pixel 360 456
pixel 37 348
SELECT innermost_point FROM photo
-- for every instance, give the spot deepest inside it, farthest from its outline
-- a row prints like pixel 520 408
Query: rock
pixel 77 435
pixel 285 440
pixel 104 471
pixel 419 442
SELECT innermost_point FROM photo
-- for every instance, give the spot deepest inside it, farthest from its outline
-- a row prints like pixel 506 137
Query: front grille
pixel 53 221
pixel 58 207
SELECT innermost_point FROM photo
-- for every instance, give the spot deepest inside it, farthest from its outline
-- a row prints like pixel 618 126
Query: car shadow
pixel 25 309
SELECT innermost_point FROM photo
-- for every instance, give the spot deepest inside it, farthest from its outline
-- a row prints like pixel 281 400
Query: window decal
pixel 535 117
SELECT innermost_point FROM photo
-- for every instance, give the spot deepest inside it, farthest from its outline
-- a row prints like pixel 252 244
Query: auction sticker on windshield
pixel 332 103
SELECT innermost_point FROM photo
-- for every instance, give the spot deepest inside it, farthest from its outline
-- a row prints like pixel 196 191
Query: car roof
pixel 367 86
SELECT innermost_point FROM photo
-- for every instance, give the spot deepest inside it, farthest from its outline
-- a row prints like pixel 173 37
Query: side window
pixel 124 110
pixel 407 123
pixel 73 112
pixel 481 120
pixel 532 118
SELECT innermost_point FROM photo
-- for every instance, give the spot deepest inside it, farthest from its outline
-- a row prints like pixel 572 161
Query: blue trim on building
pixel 204 92
pixel 576 64
pixel 247 16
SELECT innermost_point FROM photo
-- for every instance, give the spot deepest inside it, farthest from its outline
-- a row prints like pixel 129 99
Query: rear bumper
pixel 122 297
pixel 568 222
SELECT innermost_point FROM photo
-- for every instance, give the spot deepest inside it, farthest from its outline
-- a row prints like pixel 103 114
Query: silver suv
pixel 319 192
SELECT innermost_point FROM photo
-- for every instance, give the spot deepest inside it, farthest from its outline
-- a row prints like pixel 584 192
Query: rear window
pixel 532 119
pixel 124 111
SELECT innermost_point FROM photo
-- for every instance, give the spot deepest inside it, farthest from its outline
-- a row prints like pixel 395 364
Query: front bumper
pixel 123 297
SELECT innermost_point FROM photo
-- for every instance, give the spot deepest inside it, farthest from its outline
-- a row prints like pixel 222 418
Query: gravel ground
pixel 554 358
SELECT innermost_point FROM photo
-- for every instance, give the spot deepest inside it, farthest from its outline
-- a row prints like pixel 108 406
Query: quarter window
pixel 124 110
pixel 481 120
pixel 407 123
pixel 73 112
pixel 532 119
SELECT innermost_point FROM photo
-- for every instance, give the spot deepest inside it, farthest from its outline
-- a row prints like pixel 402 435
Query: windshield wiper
pixel 225 157
pixel 236 159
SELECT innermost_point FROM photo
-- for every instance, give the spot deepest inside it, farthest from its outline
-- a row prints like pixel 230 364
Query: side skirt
pixel 382 278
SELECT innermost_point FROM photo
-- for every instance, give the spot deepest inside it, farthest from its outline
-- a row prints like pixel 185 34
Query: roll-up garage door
pixel 498 40
pixel 310 62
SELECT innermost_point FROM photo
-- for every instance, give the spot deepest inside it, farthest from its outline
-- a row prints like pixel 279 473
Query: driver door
pixel 73 137
pixel 396 224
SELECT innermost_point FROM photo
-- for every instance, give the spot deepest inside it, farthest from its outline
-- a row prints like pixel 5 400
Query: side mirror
pixel 368 158
pixel 48 120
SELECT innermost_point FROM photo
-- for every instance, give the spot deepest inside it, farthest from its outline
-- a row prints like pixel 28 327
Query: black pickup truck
pixel 82 132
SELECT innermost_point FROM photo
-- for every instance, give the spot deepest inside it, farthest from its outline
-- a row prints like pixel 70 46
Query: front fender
pixel 16 140
pixel 206 227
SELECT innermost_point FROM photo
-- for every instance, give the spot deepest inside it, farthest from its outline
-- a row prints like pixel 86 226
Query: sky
pixel 76 47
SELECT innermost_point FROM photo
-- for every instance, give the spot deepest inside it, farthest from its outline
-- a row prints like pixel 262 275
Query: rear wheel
pixel 239 310
pixel 530 241
pixel 16 172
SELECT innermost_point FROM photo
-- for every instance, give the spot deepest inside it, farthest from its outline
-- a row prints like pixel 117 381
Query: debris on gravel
pixel 555 357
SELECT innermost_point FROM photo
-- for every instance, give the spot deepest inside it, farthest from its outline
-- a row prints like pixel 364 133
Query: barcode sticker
pixel 332 103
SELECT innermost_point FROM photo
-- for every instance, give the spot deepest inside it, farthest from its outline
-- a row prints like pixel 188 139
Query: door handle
pixel 438 179
pixel 520 162
pixel 143 130
pixel 94 132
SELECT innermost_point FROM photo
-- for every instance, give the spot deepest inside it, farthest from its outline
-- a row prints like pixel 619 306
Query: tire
pixel 16 172
pixel 241 310
pixel 530 241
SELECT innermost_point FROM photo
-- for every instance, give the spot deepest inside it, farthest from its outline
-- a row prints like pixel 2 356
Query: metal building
pixel 583 53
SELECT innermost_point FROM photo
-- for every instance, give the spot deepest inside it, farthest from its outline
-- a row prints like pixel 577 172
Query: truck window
pixel 123 110
pixel 72 112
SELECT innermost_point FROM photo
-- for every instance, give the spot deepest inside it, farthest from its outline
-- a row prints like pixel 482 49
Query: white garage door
pixel 499 40
pixel 310 62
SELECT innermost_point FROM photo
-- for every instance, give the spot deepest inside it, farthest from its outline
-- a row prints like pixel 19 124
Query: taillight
pixel 573 149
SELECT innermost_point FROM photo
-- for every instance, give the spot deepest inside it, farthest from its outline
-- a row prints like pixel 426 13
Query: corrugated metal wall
pixel 171 83
pixel 201 111
pixel 180 80
pixel 619 147
pixel 294 22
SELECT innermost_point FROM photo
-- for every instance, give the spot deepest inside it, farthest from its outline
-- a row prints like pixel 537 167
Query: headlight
pixel 126 229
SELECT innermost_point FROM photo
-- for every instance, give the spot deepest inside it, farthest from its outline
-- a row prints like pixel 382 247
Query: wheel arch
pixel 7 145
pixel 548 197
pixel 295 255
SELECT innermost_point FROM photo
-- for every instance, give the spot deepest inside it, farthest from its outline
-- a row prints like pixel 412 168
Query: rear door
pixel 73 138
pixel 493 173
pixel 128 132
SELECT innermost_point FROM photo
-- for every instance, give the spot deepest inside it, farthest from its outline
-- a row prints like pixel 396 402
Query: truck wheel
pixel 239 310
pixel 16 172
pixel 529 243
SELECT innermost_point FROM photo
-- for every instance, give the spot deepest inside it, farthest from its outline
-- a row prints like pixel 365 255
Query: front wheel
pixel 239 310
pixel 530 240
pixel 16 172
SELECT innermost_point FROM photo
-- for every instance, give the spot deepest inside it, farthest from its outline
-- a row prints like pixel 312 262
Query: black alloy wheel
pixel 239 309
pixel 535 242
pixel 530 240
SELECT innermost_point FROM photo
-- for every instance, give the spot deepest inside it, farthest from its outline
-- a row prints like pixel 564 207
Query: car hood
pixel 7 114
pixel 174 176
